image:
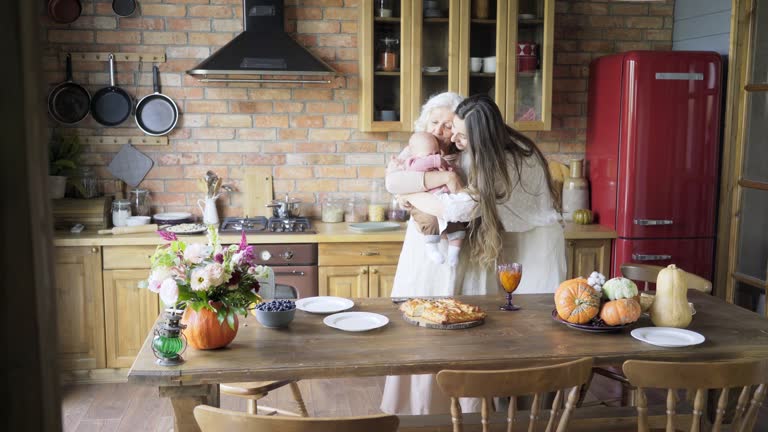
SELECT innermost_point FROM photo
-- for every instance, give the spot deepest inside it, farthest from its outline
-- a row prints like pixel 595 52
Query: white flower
pixel 261 272
pixel 169 292
pixel 196 253
pixel 158 275
pixel 199 280
pixel 237 258
pixel 216 273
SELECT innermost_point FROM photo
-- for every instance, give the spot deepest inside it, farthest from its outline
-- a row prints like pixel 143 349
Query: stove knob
pixel 302 227
pixel 265 255
pixel 287 255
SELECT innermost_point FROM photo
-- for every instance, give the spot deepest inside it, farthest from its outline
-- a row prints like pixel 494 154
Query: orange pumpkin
pixel 620 312
pixel 204 331
pixel 576 301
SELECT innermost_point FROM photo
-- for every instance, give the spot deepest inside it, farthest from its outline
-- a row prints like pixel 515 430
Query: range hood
pixel 263 49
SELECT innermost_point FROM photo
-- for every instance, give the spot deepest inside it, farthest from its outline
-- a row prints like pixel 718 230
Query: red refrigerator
pixel 653 135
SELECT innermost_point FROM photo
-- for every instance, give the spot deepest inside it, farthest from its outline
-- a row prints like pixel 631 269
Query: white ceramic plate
pixel 374 226
pixel 173 216
pixel 356 321
pixel 324 304
pixel 667 336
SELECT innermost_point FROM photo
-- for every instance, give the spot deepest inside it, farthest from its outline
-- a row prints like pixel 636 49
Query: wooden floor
pixel 129 407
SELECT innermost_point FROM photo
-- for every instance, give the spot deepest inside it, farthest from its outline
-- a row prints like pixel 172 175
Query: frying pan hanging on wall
pixel 156 114
pixel 64 11
pixel 111 105
pixel 124 8
pixel 69 102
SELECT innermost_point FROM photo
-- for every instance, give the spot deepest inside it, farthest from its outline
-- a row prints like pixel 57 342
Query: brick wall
pixel 306 132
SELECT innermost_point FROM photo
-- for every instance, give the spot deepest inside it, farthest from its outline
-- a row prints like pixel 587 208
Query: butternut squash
pixel 670 306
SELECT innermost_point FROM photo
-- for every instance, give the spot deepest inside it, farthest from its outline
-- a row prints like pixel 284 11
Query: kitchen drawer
pixel 358 253
pixel 127 257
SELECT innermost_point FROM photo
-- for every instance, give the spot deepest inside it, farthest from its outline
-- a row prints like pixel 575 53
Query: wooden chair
pixel 699 378
pixel 253 391
pixel 565 379
pixel 646 274
pixel 212 419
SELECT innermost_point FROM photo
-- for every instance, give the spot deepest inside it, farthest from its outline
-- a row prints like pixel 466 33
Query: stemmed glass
pixel 509 278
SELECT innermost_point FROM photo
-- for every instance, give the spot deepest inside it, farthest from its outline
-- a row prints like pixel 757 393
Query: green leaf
pixel 231 319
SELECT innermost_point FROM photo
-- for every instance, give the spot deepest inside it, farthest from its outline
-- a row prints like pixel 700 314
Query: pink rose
pixel 215 273
pixel 196 253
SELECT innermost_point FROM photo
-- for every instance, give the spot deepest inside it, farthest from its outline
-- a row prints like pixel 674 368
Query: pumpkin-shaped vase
pixel 576 301
pixel 203 330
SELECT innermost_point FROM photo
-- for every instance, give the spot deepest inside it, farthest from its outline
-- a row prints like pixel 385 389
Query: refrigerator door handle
pixel 647 222
pixel 646 257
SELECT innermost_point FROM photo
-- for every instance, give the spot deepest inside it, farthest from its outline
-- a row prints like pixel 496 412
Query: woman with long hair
pixel 509 203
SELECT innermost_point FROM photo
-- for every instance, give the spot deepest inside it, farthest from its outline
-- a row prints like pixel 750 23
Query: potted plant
pixel 63 159
pixel 211 282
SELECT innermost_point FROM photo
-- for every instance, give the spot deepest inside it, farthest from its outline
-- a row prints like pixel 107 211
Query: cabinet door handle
pixel 375 271
pixel 364 270
pixel 370 253
pixel 651 222
pixel 646 257
pixel 94 250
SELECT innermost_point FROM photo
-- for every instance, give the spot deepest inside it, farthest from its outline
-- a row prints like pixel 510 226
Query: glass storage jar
pixel 332 211
pixel 377 211
pixel 140 202
pixel 121 210
pixel 397 213
pixel 357 210
pixel 86 185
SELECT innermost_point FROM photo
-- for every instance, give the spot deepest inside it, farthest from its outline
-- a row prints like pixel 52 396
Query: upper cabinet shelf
pixel 419 48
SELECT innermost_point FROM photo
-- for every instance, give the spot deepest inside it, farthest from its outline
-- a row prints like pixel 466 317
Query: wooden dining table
pixel 528 337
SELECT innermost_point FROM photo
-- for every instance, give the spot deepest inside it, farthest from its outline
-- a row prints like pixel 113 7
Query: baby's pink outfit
pixel 429 163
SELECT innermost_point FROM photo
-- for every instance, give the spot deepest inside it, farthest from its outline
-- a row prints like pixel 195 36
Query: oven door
pixel 293 282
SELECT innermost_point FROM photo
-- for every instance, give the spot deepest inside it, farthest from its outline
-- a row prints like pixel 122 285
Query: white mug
pixel 475 64
pixel 210 214
pixel 489 64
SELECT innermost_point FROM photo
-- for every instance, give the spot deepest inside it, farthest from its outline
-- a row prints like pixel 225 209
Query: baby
pixel 425 152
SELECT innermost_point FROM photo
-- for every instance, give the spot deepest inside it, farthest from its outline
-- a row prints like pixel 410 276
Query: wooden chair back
pixel 742 375
pixel 212 419
pixel 648 273
pixel 566 379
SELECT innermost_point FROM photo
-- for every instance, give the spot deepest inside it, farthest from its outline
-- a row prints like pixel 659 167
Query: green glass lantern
pixel 169 341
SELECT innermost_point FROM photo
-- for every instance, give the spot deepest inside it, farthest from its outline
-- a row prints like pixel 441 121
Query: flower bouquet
pixel 208 279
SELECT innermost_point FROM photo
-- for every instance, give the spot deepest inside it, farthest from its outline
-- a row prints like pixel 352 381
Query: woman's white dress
pixel 534 238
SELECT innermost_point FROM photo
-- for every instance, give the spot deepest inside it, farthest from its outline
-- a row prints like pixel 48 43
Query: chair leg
pixel 584 389
pixel 253 407
pixel 299 400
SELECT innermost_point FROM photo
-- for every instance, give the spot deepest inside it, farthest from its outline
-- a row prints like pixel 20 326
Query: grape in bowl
pixel 275 313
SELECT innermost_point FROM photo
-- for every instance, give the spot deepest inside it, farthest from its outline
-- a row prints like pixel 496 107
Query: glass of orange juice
pixel 509 278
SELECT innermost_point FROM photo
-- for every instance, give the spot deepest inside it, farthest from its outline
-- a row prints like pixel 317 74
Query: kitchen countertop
pixel 326 233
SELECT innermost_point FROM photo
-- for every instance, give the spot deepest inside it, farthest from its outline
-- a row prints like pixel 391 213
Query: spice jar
pixel 388 61
pixel 121 210
pixel 357 210
pixel 332 211
pixel 140 202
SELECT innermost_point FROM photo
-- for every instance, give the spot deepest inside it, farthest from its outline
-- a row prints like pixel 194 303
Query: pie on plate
pixel 442 311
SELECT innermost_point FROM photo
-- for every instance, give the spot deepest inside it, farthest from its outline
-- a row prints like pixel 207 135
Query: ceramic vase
pixel 575 190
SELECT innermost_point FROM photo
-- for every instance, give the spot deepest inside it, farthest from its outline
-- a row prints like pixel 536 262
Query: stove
pixel 262 225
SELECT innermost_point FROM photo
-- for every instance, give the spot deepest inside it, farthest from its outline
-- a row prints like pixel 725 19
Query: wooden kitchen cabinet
pixel 357 269
pixel 130 313
pixel 518 34
pixel 79 308
pixel 587 255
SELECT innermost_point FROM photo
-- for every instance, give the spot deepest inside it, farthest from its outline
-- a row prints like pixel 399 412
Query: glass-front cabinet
pixel 386 32
pixel 411 50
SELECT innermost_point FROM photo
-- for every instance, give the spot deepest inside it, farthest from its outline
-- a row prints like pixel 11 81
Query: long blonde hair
pixel 491 142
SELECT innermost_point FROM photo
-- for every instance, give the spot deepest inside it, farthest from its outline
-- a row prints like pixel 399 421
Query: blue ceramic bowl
pixel 275 319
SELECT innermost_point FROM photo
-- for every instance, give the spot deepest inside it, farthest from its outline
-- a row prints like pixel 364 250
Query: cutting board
pixel 257 186
pixel 424 323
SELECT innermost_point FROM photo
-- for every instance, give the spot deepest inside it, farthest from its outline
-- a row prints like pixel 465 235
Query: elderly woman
pixel 509 204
